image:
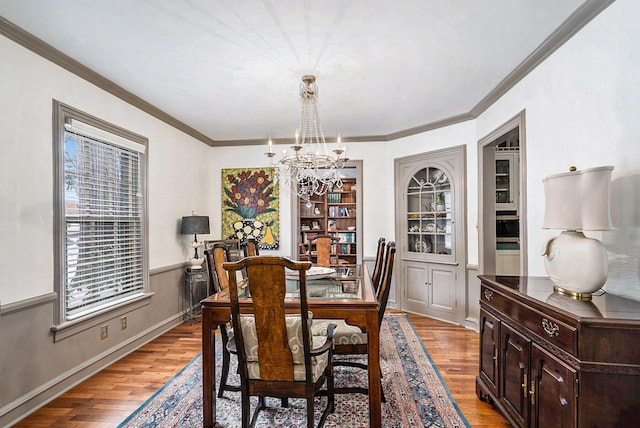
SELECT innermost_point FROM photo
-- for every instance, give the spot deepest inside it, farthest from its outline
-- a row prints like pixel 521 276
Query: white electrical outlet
pixel 104 332
pixel 123 323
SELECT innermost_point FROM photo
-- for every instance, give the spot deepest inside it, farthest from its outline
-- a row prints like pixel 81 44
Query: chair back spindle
pixel 377 268
pixel 385 282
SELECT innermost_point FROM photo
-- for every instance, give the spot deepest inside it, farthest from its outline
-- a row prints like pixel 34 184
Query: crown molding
pixel 43 49
pixel 574 23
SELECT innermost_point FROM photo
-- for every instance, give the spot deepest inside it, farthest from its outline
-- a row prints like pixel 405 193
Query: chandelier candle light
pixel 577 201
pixel 310 169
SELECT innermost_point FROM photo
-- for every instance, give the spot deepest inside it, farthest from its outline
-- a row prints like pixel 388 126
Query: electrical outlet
pixel 104 332
pixel 123 323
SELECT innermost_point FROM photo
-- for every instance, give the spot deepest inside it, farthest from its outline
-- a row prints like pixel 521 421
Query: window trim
pixel 61 327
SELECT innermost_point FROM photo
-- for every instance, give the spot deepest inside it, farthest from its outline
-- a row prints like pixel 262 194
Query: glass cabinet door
pixel 430 213
pixel 507 181
pixel 503 185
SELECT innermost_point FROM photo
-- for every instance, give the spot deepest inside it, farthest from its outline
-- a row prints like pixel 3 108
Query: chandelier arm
pixel 310 170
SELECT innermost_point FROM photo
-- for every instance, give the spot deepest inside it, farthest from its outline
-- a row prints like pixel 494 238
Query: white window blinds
pixel 104 219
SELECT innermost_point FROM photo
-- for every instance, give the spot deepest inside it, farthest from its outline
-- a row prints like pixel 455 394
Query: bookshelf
pixel 335 213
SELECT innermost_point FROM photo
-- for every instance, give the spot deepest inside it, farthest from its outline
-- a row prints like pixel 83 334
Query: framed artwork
pixel 251 206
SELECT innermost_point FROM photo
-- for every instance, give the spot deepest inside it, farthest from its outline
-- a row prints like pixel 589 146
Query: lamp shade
pixel 578 200
pixel 194 224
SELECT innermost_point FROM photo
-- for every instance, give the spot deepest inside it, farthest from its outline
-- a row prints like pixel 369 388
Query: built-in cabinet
pixel 507 187
pixel 335 213
pixel 550 361
pixel 430 231
pixel 507 169
pixel 431 286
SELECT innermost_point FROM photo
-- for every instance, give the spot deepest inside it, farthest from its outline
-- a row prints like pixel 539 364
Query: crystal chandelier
pixel 310 169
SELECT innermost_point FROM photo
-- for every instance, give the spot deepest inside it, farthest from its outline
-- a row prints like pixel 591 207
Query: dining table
pixel 352 298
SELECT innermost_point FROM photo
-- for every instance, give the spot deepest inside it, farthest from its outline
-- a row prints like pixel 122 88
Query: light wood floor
pixel 107 398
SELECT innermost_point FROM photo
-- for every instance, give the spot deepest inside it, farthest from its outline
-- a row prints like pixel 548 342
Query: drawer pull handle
pixel 532 392
pixel 488 294
pixel 550 328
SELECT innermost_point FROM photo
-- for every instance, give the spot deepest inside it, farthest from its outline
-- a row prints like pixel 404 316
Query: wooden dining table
pixel 349 298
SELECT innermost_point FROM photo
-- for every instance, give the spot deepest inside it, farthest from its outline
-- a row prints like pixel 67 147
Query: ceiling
pixel 228 72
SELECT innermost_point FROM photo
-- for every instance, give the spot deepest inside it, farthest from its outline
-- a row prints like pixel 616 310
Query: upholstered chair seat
pixel 294 336
pixel 344 334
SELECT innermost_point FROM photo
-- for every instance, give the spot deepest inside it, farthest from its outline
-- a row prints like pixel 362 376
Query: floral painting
pixel 250 206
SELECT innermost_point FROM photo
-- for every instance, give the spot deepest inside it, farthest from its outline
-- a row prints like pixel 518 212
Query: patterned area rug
pixel 415 392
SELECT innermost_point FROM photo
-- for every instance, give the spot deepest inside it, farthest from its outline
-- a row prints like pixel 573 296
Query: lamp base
pixel 572 294
pixel 577 265
pixel 196 263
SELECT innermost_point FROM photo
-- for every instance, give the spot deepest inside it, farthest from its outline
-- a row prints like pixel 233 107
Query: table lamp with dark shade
pixel 195 224
pixel 577 201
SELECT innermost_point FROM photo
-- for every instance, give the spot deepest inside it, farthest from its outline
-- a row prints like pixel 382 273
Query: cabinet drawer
pixel 548 327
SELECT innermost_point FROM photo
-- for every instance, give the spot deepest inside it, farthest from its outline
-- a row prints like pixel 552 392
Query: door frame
pixel 486 195
pixel 460 183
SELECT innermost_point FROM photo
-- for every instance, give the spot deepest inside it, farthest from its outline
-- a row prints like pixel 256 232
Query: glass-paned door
pixel 430 213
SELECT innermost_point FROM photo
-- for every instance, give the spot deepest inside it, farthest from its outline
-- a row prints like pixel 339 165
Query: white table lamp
pixel 577 201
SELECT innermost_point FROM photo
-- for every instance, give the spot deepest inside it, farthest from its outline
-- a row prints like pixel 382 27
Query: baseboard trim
pixel 20 408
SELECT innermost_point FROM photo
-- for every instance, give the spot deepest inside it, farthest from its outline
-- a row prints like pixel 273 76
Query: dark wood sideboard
pixel 547 360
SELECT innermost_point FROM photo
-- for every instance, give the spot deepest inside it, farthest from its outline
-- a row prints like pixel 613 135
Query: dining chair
pixel 351 340
pixel 218 254
pixel 277 354
pixel 250 248
pixel 377 268
pixel 322 245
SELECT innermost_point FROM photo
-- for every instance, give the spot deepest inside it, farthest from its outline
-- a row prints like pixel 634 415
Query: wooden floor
pixel 107 398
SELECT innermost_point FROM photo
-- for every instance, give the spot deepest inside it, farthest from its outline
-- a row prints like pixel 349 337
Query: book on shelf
pixel 349 237
pixel 340 211
pixel 334 198
pixel 345 249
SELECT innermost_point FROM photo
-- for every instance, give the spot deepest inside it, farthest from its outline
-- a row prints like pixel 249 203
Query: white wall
pixel 581 105
pixel 582 109
pixel 177 163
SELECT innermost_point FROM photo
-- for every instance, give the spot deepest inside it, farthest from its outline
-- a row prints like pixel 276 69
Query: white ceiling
pixel 231 69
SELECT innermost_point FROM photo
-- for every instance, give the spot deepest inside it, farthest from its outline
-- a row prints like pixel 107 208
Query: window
pixel 101 229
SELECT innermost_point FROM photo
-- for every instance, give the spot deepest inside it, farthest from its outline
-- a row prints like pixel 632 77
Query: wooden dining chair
pixel 322 245
pixel 218 254
pixel 277 354
pixel 377 268
pixel 250 248
pixel 349 339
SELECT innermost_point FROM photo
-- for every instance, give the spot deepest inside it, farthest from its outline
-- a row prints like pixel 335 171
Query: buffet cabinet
pixel 547 360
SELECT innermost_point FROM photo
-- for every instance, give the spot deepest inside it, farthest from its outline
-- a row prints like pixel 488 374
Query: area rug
pixel 416 395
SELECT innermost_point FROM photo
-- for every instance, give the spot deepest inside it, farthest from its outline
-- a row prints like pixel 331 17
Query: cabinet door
pixel 489 342
pixel 514 373
pixel 552 391
pixel 507 181
pixel 429 215
pixel 416 292
pixel 430 288
pixel 441 285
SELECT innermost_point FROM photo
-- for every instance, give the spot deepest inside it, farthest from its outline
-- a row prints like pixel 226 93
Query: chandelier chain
pixel 310 170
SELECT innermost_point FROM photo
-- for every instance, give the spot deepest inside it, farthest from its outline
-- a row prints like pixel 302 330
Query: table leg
pixel 208 370
pixel 373 349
